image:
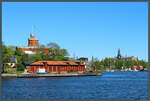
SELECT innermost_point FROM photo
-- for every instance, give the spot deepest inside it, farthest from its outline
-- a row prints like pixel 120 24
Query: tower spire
pixel 119 54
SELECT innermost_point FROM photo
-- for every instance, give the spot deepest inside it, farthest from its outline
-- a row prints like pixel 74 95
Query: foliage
pixel 143 63
pixel 106 62
pixel 116 64
pixel 18 72
pixel 53 45
pixel 18 51
pixel 20 67
pixel 95 63
pixel 64 52
pixel 42 46
pixel 6 54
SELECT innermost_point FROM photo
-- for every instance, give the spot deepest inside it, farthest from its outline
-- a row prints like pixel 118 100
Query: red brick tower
pixel 32 41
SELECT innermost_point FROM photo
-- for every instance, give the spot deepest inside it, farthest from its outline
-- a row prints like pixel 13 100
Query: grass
pixel 19 72
pixel 13 72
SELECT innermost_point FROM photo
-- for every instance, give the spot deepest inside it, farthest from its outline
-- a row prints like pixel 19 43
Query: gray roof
pixel 13 59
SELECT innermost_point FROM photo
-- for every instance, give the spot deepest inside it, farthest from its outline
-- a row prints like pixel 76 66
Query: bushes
pixel 20 67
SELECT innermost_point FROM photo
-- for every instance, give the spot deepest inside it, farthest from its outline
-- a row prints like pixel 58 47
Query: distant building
pixel 125 58
pixel 33 46
pixel 56 66
pixel 83 59
pixel 137 67
pixel 129 58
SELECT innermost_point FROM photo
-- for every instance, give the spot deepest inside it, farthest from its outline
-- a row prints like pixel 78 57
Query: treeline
pixel 56 53
pixel 116 64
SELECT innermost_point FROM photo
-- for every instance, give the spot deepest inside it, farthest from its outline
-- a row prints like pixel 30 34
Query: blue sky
pixel 85 29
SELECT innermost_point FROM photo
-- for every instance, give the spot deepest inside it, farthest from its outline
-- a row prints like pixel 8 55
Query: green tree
pixel 107 63
pixel 18 52
pixel 37 57
pixel 97 64
pixel 27 58
pixel 64 52
pixel 118 64
pixel 143 63
pixel 135 63
pixel 12 48
pixel 53 45
pixel 20 67
pixel 6 54
pixel 42 46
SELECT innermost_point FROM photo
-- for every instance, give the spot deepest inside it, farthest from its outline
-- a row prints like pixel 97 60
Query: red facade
pixel 57 66
pixel 32 41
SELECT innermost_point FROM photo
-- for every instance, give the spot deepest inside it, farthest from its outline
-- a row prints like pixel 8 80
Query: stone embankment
pixel 9 75
pixel 31 75
pixel 57 74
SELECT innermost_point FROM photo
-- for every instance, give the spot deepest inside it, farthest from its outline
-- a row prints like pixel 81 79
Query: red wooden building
pixel 57 66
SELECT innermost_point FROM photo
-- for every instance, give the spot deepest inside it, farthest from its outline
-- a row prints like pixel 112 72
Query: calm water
pixel 111 85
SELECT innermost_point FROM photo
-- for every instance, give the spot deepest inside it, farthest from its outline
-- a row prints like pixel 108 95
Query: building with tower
pixel 124 58
pixel 33 46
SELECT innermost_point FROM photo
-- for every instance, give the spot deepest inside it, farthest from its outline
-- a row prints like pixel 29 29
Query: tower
pixel 119 54
pixel 32 41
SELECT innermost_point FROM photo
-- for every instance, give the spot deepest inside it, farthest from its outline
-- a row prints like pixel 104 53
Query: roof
pixel 27 63
pixel 13 59
pixel 32 37
pixel 83 58
pixel 56 63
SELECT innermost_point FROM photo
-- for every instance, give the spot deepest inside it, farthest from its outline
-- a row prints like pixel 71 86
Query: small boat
pixel 135 70
pixel 142 70
pixel 107 70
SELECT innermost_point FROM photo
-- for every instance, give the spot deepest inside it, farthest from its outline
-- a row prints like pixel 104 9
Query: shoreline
pixel 8 75
pixel 36 75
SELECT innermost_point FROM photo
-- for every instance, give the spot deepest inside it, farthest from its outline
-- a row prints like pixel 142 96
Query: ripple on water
pixel 111 85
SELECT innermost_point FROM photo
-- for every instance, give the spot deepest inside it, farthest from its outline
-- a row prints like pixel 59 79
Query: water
pixel 111 85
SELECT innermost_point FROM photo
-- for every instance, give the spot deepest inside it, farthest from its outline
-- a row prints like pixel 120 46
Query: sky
pixel 85 29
